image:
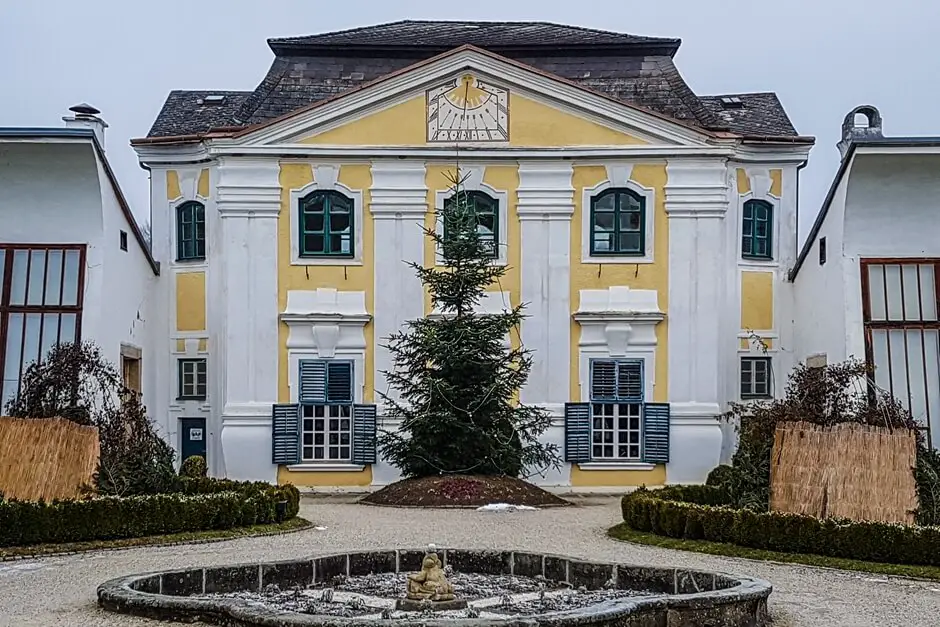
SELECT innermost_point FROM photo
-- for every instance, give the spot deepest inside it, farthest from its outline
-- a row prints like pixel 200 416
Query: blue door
pixel 193 438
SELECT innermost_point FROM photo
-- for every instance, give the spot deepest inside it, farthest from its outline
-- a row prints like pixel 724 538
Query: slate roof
pixel 762 114
pixel 637 70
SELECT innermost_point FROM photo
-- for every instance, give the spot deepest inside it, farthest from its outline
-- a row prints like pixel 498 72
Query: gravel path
pixel 61 591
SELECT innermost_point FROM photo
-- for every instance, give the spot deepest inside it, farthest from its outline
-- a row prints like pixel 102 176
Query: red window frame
pixel 6 309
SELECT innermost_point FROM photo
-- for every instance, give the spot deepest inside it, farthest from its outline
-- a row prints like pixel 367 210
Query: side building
pixel 868 278
pixel 74 265
pixel 648 230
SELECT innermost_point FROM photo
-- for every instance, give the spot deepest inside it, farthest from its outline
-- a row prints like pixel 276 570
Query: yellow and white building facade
pixel 651 255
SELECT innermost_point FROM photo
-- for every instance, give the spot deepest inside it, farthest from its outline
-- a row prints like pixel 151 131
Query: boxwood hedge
pixel 199 504
pixel 702 513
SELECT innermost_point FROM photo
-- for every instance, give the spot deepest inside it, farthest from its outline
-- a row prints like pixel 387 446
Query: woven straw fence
pixel 845 471
pixel 48 459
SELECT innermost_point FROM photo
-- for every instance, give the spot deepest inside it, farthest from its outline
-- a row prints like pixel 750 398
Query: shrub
pixel 194 466
pixel 720 475
pixel 699 514
pixel 200 504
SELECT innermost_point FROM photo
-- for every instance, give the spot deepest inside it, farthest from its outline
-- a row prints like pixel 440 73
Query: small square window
pixel 192 379
pixel 123 240
pixel 756 377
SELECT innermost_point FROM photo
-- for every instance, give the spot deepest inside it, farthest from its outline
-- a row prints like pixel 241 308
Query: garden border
pixel 702 513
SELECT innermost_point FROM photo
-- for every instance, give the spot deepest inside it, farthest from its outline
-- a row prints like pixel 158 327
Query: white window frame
pixel 760 183
pixel 181 374
pixel 769 382
pixel 649 218
pixel 325 179
pixel 473 182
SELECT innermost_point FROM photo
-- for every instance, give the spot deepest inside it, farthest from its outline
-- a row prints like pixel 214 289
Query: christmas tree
pixel 456 375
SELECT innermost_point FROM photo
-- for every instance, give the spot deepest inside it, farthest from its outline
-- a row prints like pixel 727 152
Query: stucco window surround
pixel 618 323
pixel 618 177
pixel 473 182
pixel 760 183
pixel 325 324
pixel 325 179
pixel 176 207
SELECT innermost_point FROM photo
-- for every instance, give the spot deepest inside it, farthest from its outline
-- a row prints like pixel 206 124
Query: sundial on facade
pixel 468 109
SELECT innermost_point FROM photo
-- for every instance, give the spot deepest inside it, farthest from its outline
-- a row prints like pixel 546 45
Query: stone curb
pixel 108 549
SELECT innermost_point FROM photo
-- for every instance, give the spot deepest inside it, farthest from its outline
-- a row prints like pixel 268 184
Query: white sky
pixel 822 57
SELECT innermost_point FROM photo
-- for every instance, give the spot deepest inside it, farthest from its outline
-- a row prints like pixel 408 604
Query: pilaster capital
pixel 398 190
pixel 545 191
pixel 696 188
pixel 248 187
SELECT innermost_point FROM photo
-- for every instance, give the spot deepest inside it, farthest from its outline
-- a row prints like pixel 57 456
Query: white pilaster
pixel 545 206
pixel 249 201
pixel 399 204
pixel 696 203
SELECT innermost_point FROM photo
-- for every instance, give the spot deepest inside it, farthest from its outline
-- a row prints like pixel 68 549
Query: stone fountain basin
pixel 669 597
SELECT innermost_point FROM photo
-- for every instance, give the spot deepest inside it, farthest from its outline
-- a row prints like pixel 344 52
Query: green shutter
pixel 364 428
pixel 630 381
pixel 577 432
pixel 339 387
pixel 312 381
pixel 285 434
pixel 656 433
pixel 603 380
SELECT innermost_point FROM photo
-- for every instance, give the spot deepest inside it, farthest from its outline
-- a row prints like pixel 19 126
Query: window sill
pixel 191 398
pixel 767 397
pixel 191 260
pixel 326 260
pixel 325 467
pixel 757 258
pixel 614 465
pixel 621 259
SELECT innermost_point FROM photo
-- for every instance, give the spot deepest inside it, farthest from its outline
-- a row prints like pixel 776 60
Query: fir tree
pixel 457 380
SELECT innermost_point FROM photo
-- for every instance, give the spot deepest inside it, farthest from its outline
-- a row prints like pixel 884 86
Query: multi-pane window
pixel 755 377
pixel 190 232
pixel 326 407
pixel 901 310
pixel 757 229
pixel 41 290
pixel 486 210
pixel 616 409
pixel 192 379
pixel 618 223
pixel 326 225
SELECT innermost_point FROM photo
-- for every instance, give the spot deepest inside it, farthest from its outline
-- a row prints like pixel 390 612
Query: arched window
pixel 326 225
pixel 757 229
pixel 486 209
pixel 190 232
pixel 618 223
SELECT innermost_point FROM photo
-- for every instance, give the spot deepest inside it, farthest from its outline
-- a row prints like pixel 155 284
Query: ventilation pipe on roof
pixel 861 123
pixel 86 116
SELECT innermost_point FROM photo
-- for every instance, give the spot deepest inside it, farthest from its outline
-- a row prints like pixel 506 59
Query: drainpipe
pixel 799 246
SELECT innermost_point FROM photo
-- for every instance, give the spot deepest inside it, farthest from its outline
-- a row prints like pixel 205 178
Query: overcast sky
pixel 822 57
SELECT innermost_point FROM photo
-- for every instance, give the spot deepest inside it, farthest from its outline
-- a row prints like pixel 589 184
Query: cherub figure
pixel 430 584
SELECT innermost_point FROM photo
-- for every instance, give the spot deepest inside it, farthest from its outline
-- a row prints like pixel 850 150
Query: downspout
pixel 796 239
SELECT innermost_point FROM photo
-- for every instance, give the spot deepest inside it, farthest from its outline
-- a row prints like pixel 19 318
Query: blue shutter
pixel 577 432
pixel 364 426
pixel 630 381
pixel 603 380
pixel 312 381
pixel 656 433
pixel 339 386
pixel 285 435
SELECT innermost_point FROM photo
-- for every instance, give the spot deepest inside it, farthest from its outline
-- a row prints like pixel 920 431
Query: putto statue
pixel 430 584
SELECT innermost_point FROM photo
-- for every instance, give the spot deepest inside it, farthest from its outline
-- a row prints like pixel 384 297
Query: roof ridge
pixel 741 93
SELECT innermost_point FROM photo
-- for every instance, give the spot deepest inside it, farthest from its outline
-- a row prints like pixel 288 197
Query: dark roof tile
pixel 761 114
pixel 186 112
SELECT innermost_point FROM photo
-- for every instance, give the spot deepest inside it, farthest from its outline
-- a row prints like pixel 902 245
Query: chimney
pixel 862 123
pixel 86 116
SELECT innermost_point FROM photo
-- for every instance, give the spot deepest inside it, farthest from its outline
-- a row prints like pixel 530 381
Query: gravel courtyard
pixel 61 591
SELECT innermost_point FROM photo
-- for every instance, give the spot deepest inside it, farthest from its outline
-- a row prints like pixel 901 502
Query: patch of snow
pixel 506 507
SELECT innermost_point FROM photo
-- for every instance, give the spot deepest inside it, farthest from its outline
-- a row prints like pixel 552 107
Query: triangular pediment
pixel 472 98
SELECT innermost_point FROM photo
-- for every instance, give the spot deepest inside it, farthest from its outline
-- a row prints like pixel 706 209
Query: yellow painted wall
pixel 776 183
pixel 172 185
pixel 647 276
pixel 757 300
pixel 203 187
pixel 530 124
pixel 351 278
pixel 191 301
pixel 744 183
pixel 627 478
pixel 325 479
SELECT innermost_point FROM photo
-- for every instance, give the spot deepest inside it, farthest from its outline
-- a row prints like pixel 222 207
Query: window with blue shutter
pixel 617 424
pixel 331 427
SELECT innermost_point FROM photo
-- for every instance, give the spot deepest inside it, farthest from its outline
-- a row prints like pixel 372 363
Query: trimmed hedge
pixel 702 513
pixel 200 504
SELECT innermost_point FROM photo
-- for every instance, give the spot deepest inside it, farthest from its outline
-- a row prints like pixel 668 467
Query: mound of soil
pixel 463 491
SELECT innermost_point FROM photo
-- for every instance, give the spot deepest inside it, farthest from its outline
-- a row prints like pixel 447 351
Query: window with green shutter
pixel 190 232
pixel 326 225
pixel 618 224
pixel 486 209
pixel 757 230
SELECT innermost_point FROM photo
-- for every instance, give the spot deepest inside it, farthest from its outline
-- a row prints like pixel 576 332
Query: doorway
pixel 193 438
